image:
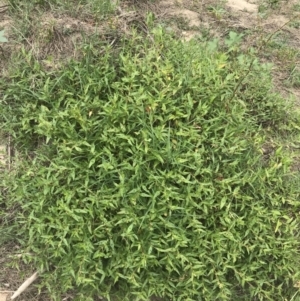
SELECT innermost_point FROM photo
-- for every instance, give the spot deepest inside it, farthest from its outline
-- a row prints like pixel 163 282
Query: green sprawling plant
pixel 143 174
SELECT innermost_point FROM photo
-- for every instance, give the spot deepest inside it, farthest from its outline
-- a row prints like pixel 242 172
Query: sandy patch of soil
pixel 242 5
pixel 4 296
pixel 172 9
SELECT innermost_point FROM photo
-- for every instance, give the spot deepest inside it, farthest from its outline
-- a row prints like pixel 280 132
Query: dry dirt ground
pixel 279 24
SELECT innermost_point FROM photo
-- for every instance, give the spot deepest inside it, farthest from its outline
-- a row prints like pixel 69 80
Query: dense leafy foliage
pixel 143 174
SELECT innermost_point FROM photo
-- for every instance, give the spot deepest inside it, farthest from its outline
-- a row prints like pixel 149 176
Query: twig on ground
pixel 9 152
pixel 24 286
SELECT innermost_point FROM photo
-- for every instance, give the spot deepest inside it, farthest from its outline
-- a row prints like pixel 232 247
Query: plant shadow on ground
pixel 52 45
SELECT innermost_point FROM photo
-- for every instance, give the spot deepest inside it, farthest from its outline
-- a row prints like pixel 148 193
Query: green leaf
pixel 2 37
pixel 223 202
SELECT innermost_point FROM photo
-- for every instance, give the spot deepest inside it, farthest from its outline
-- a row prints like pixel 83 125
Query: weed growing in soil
pixel 144 174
